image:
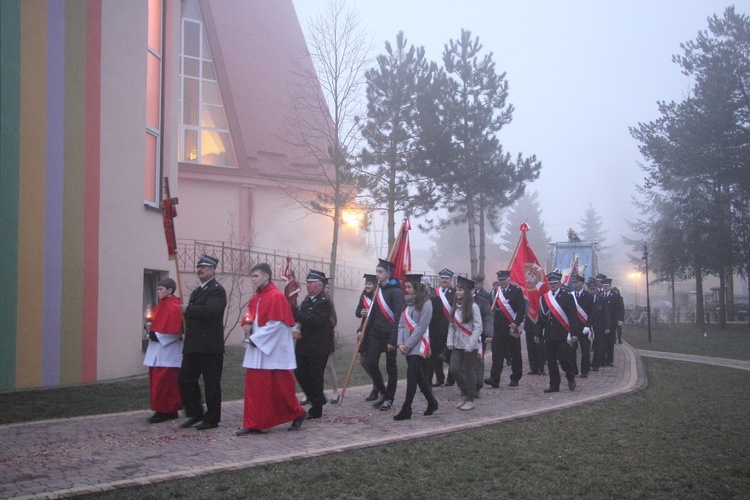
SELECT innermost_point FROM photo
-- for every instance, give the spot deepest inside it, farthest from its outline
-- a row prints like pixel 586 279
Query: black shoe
pixel 246 431
pixel 373 395
pixel 387 405
pixel 379 401
pixel 404 414
pixel 205 425
pixel 161 417
pixel 449 384
pixel 315 412
pixel 572 384
pixel 304 401
pixel 584 375
pixel 432 406
pixel 552 389
pixel 533 373
pixel 438 384
pixel 297 423
pixel 492 382
pixel 191 422
pixel 513 383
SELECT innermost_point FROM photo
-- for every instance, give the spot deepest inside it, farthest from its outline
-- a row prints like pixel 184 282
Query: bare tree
pixel 326 105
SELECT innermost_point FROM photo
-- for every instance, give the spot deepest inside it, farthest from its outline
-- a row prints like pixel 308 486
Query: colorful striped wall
pixel 50 80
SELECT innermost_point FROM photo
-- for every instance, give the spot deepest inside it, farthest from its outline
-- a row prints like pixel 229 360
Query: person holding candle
pixel 164 353
pixel 270 397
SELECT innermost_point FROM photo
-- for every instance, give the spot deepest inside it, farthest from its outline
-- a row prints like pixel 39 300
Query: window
pixel 152 185
pixel 204 131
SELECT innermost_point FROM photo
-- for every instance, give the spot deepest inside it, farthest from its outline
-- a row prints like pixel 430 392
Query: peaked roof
pixel 260 53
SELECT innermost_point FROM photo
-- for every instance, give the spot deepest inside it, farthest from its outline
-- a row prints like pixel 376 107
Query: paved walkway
pixel 58 458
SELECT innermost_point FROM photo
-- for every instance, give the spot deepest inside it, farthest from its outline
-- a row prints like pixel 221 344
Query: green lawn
pixel 732 343
pixel 686 435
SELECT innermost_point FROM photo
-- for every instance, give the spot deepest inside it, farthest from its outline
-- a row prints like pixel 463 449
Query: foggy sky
pixel 580 73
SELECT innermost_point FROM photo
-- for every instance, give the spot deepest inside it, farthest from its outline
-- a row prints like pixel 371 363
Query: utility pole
pixel 648 296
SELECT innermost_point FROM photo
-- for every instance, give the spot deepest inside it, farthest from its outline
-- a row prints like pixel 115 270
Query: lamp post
pixel 648 297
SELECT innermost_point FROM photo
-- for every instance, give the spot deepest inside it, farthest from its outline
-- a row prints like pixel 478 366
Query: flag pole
pixel 391 253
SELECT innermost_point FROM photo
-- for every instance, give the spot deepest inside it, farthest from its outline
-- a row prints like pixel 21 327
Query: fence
pixel 240 260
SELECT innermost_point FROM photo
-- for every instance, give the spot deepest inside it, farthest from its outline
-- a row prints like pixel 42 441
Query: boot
pixel 432 405
pixel 404 414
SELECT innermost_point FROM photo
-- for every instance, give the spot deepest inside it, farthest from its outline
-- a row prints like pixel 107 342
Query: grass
pixel 684 436
pixel 133 393
pixel 732 343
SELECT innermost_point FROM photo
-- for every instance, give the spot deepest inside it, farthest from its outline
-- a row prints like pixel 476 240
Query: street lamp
pixel 634 276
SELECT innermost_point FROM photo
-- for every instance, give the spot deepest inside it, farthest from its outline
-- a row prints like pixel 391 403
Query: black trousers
pixel 599 351
pixel 609 339
pixel 504 346
pixel 415 378
pixel 209 366
pixel 375 346
pixel 310 374
pixel 585 353
pixel 535 352
pixel 558 351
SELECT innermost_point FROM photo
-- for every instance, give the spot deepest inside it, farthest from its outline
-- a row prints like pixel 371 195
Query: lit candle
pixel 149 313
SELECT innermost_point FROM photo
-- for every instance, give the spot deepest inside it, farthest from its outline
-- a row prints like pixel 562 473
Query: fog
pixel 580 73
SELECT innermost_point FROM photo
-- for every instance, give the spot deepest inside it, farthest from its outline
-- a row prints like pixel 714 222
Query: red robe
pixel 164 388
pixel 270 395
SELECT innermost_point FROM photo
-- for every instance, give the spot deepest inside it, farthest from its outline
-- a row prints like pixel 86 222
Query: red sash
pixel 461 326
pixel 581 313
pixel 505 306
pixel 387 312
pixel 366 302
pixel 556 310
pixel 424 342
pixel 447 309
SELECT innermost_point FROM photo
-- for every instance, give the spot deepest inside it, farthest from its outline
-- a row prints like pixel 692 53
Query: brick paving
pixel 66 457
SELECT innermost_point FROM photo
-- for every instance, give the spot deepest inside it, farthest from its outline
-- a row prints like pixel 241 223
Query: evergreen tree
pixel 527 210
pixel 592 230
pixel 475 177
pixel 391 130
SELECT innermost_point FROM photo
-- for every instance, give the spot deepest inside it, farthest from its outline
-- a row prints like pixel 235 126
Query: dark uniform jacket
pixel 553 329
pixel 586 301
pixel 599 316
pixel 378 325
pixel 515 298
pixel 314 316
pixel 204 320
pixel 616 309
pixel 439 323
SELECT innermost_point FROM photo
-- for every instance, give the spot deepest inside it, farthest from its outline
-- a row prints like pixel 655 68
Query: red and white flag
pixel 526 272
pixel 402 255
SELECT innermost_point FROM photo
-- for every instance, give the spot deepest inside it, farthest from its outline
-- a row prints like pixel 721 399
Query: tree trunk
pixel 722 300
pixel 674 301
pixel 482 237
pixel 472 232
pixel 700 318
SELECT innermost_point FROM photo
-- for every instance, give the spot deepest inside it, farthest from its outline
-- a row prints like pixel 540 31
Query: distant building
pixel 100 100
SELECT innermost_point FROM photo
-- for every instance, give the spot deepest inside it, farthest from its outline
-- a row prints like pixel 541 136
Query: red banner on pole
pixel 526 272
pixel 402 255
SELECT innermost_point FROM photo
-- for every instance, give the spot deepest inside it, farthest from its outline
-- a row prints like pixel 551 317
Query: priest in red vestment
pixel 164 353
pixel 270 387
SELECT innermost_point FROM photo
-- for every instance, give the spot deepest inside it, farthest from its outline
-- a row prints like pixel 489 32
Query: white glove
pixel 586 330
